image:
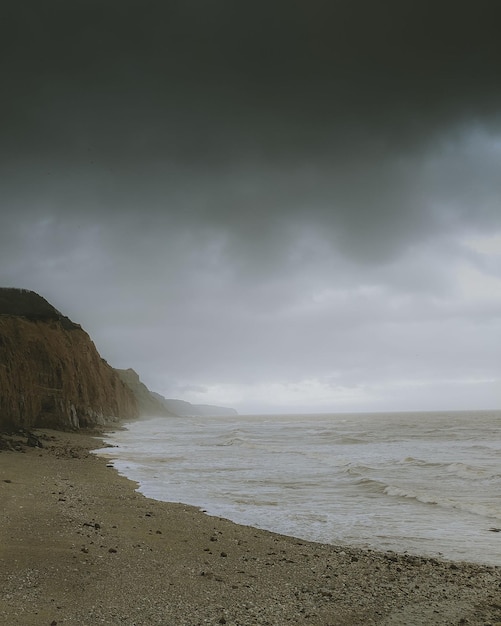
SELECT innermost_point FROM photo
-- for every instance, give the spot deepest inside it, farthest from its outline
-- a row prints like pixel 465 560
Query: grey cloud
pixel 284 76
pixel 248 193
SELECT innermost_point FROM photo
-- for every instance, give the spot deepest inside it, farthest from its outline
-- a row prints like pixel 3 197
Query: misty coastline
pixel 221 222
pixel 383 481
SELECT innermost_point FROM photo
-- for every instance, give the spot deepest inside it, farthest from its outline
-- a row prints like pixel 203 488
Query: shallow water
pixel 425 483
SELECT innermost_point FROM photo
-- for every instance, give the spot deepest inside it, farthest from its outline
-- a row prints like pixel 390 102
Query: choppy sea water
pixel 423 483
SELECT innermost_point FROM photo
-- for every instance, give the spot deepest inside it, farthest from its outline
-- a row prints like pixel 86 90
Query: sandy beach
pixel 80 546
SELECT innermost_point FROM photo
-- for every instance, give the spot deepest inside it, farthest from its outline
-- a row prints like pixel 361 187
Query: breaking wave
pixel 422 483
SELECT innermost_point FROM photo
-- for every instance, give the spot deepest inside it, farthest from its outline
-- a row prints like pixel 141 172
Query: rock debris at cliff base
pixel 80 546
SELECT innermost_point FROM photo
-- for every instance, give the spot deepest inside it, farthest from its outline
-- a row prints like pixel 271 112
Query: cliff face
pixel 153 404
pixel 51 375
pixel 148 404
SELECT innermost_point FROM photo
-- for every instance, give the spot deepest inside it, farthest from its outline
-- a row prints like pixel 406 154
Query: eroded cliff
pixel 51 374
pixel 149 405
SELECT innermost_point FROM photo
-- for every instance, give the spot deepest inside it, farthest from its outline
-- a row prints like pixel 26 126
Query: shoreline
pixel 79 545
pixel 457 541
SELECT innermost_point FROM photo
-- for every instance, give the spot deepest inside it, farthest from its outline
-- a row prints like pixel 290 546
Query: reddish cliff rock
pixel 51 374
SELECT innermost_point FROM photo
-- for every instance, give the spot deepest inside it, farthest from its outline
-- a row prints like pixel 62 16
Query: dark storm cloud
pixel 334 92
pixel 236 114
pixel 423 53
pixel 267 80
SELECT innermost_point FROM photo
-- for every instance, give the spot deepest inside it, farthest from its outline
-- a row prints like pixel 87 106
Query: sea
pixel 416 483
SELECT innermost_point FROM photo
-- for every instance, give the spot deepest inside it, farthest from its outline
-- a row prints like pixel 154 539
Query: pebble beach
pixel 79 545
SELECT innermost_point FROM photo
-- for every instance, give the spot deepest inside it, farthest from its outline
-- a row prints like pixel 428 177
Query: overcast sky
pixel 276 206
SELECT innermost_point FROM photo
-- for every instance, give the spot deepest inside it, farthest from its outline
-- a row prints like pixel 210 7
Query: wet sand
pixel 78 545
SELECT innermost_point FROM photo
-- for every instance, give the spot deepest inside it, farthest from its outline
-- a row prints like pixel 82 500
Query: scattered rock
pixel 33 441
pixel 94 525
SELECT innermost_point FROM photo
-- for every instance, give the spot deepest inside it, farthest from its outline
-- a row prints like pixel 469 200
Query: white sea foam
pixel 423 483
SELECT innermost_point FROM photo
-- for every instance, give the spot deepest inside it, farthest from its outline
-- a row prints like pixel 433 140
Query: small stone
pixel 223 554
pixel 112 550
pixel 33 441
